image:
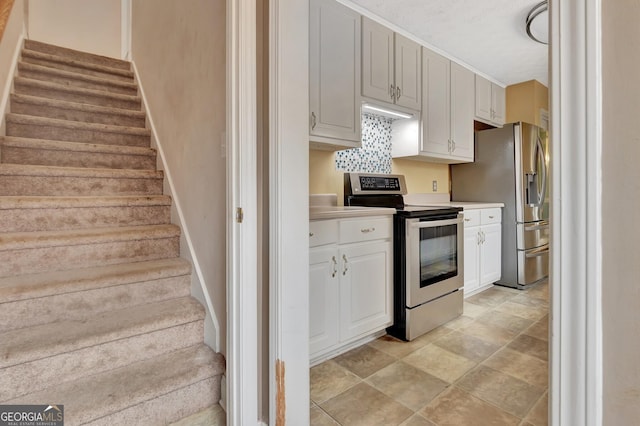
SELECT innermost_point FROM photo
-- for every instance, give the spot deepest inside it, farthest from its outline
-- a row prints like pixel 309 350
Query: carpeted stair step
pixel 44 89
pixel 72 79
pixel 80 293
pixel 76 55
pixel 35 252
pixel 66 64
pixel 42 213
pixel 23 180
pixel 74 111
pixel 44 152
pixel 151 392
pixel 27 126
pixel 33 358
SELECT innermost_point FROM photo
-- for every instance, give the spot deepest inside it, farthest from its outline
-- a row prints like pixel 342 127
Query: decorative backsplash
pixel 375 154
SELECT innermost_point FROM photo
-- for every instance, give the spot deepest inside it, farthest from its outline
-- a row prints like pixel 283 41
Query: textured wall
pixel 91 26
pixel 620 207
pixel 179 50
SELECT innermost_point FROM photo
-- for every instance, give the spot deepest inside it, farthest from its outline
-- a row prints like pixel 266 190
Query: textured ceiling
pixel 488 35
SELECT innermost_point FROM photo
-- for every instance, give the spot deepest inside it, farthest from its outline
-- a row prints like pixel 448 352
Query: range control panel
pixel 374 184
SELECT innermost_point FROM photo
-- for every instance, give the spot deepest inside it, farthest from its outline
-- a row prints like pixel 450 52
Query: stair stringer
pixel 198 284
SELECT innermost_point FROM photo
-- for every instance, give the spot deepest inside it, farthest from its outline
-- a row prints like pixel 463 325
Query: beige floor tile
pixel 364 360
pixel 534 313
pixel 522 366
pixel 491 297
pixel 407 384
pixel 320 418
pixel 417 420
pixel 472 310
pixel 504 391
pixel 366 406
pixel 467 346
pixel 539 414
pixel 531 346
pixel 433 335
pixel 528 300
pixel 504 320
pixel 490 333
pixel 540 329
pixel 330 379
pixel 455 407
pixel 461 321
pixel 539 291
pixel 212 416
pixel 396 347
pixel 439 362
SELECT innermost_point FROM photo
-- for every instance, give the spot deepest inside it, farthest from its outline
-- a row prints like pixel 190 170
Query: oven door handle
pixel 437 222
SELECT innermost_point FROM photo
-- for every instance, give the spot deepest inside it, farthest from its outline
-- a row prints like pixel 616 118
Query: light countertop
pixel 468 205
pixel 338 212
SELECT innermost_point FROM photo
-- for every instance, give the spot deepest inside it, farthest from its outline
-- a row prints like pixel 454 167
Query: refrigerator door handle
pixel 543 164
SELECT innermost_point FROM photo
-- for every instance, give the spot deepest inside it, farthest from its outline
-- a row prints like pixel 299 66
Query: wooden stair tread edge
pixel 26 66
pixel 63 202
pixel 33 120
pixel 23 287
pixel 80 90
pixel 41 341
pixel 70 146
pixel 80 172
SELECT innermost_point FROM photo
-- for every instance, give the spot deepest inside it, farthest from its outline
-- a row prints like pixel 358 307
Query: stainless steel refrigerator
pixel 512 166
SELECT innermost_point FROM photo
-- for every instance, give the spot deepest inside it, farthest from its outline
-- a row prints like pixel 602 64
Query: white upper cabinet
pixel 447 111
pixel 490 102
pixel 391 66
pixel 334 75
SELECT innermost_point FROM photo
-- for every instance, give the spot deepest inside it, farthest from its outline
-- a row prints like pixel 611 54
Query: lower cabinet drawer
pixel 323 232
pixel 356 230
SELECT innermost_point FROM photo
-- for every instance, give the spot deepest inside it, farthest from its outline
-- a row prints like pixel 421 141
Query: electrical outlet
pixel 435 186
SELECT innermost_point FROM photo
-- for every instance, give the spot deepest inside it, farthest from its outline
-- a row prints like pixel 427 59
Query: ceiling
pixel 487 35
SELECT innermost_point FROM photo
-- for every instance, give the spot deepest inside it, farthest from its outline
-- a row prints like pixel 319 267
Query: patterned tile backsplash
pixel 375 154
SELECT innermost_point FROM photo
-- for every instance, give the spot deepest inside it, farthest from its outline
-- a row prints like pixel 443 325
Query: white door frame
pixel 242 241
pixel 576 341
pixel 576 141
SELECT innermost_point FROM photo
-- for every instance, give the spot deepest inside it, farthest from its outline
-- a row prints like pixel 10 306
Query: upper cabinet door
pixel 377 61
pixel 483 98
pixel 462 111
pixel 498 101
pixel 408 72
pixel 334 72
pixel 436 107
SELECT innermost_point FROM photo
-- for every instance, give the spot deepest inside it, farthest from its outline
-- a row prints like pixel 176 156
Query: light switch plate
pixel 435 186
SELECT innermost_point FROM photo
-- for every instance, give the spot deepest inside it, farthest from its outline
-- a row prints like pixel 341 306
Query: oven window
pixel 438 254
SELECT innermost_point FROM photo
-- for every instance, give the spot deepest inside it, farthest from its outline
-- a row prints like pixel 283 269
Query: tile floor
pixel 487 367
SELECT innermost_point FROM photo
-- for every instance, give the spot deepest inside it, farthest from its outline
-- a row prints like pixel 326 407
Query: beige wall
pixel 87 25
pixel 179 50
pixel 620 207
pixel 12 33
pixel 525 100
pixel 324 179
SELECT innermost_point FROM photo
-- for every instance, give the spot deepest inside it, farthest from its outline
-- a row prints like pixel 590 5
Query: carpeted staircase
pixel 95 305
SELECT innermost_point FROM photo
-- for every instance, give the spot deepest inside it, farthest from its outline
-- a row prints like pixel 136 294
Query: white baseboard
pixel 176 202
pixel 8 84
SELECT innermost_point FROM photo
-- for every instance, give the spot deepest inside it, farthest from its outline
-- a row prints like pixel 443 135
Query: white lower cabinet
pixel 482 248
pixel 350 281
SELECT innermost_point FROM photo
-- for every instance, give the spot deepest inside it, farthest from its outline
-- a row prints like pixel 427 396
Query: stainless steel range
pixel 428 254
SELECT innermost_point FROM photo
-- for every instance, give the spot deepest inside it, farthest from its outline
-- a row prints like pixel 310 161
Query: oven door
pixel 434 258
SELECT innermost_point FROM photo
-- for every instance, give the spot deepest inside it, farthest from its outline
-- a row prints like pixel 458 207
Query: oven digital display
pixel 379 183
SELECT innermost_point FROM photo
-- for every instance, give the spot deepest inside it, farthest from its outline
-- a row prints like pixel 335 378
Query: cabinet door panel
pixel 365 289
pixel 483 98
pixel 334 71
pixel 471 259
pixel 498 104
pixel 408 72
pixel 491 254
pixel 323 298
pixel 377 60
pixel 462 111
pixel 435 103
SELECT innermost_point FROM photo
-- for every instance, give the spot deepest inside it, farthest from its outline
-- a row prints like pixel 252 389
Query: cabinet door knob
pixel 311 234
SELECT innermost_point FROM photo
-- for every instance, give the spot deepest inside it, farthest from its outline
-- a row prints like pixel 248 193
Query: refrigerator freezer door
pixel 532 178
pixel 533 265
pixel 532 234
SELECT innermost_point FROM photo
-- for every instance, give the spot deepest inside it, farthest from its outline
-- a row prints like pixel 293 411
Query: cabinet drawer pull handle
pixel 467 220
pixel 311 234
pixel 491 217
pixel 313 120
pixel 392 92
pixel 398 93
pixel 367 230
pixel 346 264
pixel 335 266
